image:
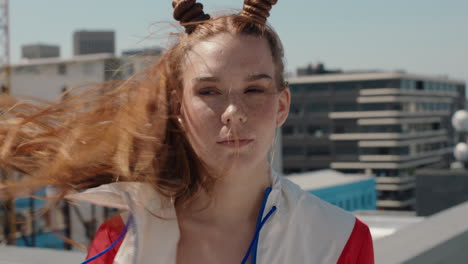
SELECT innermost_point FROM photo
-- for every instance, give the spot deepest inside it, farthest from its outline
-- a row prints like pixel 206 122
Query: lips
pixel 235 143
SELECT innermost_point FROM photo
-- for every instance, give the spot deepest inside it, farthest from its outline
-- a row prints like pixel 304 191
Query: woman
pixel 183 151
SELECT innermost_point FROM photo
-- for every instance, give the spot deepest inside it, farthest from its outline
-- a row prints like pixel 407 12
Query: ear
pixel 284 101
pixel 178 109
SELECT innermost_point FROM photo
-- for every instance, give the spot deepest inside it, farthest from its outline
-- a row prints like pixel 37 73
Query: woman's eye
pixel 254 90
pixel 208 92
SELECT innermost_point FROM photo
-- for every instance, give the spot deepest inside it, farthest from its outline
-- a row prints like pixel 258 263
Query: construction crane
pixel 9 205
pixel 5 46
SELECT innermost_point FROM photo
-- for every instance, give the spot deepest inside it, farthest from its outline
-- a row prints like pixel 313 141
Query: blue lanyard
pixel 260 222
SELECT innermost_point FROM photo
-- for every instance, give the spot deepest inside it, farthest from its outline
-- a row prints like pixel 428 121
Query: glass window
pixel 317 130
pixel 345 126
pixel 375 107
pixel 344 147
pixel 295 109
pixel 317 108
pixel 293 151
pixel 345 107
pixel 295 88
pixel 377 84
pixel 318 151
pixel 287 130
pixel 385 151
pixel 407 84
pixel 427 86
pixel 420 85
pixel 345 86
pixel 316 87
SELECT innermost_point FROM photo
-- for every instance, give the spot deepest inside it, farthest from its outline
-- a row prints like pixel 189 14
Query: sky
pixel 420 36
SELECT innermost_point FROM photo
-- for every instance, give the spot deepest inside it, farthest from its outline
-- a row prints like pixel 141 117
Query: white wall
pixel 45 82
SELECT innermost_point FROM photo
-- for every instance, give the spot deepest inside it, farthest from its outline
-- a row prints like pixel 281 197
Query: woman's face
pixel 231 105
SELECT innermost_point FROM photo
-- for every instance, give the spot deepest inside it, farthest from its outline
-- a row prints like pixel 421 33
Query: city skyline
pixel 424 37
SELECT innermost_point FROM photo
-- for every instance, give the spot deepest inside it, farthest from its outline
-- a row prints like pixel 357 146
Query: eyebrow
pixel 256 77
pixel 249 78
pixel 206 79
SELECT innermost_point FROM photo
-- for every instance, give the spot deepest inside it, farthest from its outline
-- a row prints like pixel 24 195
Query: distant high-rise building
pixel 38 51
pixel 385 124
pixel 92 42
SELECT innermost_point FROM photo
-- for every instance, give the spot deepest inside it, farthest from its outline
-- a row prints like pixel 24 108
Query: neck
pixel 236 198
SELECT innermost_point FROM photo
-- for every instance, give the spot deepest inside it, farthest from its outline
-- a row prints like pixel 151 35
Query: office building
pixel 38 51
pixel 92 42
pixel 385 124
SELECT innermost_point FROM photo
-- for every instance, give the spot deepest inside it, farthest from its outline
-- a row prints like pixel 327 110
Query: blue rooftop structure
pixel 349 191
pixel 42 238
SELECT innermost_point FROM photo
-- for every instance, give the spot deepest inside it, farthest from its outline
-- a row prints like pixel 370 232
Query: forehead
pixel 230 54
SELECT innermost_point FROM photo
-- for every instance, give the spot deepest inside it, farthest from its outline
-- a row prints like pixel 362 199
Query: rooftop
pixel 385 223
pixel 441 238
pixel 23 255
pixel 325 178
pixel 370 75
pixel 57 60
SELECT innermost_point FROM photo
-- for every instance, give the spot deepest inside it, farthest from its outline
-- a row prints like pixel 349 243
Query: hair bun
pixel 258 9
pixel 186 11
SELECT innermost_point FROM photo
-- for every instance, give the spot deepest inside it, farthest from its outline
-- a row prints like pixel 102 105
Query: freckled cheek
pixel 203 115
pixel 265 111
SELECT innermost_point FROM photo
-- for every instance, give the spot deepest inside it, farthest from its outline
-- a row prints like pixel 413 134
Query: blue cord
pixel 260 223
pixel 257 233
pixel 259 220
pixel 124 231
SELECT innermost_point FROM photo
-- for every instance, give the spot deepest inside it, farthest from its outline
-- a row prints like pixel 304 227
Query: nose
pixel 234 113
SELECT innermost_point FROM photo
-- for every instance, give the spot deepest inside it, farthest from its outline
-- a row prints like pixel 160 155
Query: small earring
pixel 181 123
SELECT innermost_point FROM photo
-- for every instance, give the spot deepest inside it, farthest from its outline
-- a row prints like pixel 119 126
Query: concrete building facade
pixel 385 124
pixel 47 78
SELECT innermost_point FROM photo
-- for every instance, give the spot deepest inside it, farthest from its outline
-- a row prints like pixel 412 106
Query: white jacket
pixel 303 229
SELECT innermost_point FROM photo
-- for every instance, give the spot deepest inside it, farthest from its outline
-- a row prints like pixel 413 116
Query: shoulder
pixel 333 225
pixel 107 233
pixel 303 202
pixel 324 227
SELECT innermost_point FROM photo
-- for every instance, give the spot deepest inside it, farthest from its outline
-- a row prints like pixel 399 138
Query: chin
pixel 236 161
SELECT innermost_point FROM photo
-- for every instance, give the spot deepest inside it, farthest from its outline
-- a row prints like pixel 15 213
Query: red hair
pixel 121 130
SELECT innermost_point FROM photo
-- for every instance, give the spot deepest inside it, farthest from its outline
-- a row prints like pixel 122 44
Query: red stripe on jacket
pixel 107 233
pixel 359 247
